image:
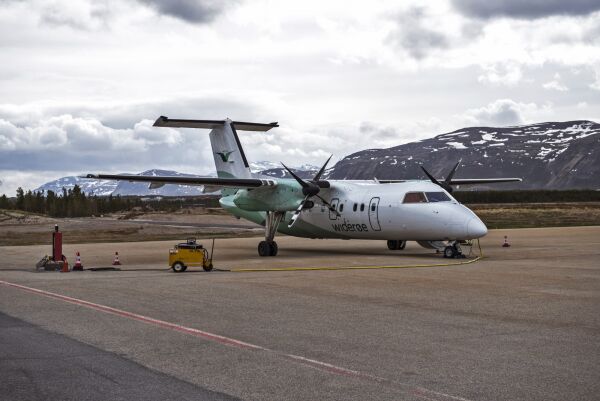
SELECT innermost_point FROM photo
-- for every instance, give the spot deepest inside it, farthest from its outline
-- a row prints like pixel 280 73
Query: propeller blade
pixel 318 175
pixel 448 178
pixel 300 180
pixel 432 178
pixel 444 184
pixel 297 212
pixel 329 206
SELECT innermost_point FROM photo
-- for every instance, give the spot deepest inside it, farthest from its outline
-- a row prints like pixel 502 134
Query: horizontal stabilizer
pixel 163 121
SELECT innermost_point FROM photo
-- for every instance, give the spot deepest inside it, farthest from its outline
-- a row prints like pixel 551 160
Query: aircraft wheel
pixel 392 244
pixel 449 252
pixel 178 267
pixel 264 249
pixel 401 245
pixel 208 267
pixel 273 248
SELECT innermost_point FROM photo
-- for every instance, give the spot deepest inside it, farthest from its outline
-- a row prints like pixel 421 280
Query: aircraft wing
pixel 158 181
pixel 467 181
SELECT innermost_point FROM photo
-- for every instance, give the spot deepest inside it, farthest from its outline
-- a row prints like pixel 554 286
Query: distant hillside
pixel 108 187
pixel 123 188
pixel 553 155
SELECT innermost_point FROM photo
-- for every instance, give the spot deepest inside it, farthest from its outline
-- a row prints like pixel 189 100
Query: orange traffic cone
pixel 506 244
pixel 78 266
pixel 116 261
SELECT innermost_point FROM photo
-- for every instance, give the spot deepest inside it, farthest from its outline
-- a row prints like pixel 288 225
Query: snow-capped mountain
pixel 108 187
pixel 125 188
pixel 305 171
pixel 92 187
pixel 553 155
pixel 257 167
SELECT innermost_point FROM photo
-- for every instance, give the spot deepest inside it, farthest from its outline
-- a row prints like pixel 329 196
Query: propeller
pixel 446 183
pixel 309 189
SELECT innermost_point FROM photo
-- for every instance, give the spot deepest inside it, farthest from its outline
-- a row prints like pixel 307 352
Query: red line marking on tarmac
pixel 323 366
pixel 141 318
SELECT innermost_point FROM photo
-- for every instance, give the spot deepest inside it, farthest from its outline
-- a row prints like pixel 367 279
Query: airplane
pixel 393 210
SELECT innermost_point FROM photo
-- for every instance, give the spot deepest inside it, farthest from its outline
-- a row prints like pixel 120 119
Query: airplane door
pixel 374 214
pixel 334 203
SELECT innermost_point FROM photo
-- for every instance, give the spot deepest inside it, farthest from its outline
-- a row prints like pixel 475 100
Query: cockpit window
pixel 437 197
pixel 415 197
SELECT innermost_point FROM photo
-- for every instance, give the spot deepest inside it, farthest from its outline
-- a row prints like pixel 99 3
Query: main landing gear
pixel 396 245
pixel 269 246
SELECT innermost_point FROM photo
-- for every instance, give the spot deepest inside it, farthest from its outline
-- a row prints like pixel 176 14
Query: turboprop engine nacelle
pixel 284 197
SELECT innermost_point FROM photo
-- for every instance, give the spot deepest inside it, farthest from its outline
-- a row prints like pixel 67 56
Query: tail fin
pixel 230 159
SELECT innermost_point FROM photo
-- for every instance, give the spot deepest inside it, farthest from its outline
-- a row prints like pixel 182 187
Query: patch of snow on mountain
pixel 256 167
pixel 456 145
pixel 543 152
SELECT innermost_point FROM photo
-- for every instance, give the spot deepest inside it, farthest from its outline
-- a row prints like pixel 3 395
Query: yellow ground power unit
pixel 190 254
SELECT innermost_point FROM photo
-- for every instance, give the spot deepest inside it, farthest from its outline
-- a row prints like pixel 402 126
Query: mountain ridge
pixel 549 155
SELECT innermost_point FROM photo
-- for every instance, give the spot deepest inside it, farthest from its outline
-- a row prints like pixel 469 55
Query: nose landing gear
pixel 395 245
pixel 454 251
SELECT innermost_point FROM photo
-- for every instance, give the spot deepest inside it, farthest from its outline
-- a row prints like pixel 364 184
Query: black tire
pixel 392 244
pixel 264 249
pixel 208 267
pixel 401 245
pixel 449 252
pixel 178 267
pixel 273 248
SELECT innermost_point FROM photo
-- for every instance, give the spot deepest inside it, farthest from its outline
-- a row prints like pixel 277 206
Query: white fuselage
pixel 370 210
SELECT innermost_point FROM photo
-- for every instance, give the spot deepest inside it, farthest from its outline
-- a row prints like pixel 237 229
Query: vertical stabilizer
pixel 230 159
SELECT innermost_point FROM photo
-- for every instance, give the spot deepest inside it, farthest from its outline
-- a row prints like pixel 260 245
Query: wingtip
pixel 159 120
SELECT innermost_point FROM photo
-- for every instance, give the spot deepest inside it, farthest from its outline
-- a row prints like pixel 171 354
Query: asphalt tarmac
pixel 36 364
pixel 521 324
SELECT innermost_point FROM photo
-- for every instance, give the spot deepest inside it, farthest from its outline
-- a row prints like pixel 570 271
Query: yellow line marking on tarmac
pixel 283 269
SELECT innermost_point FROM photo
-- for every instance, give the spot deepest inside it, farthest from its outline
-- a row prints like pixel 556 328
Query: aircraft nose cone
pixel 476 228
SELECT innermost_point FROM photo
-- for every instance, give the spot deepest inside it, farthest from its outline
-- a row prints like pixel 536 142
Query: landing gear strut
pixel 269 246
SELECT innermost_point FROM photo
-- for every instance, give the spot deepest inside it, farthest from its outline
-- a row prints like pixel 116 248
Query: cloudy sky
pixel 82 81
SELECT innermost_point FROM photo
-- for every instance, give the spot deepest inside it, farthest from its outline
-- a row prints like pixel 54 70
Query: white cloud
pixel 86 79
pixel 596 84
pixel 501 74
pixel 525 9
pixel 414 36
pixel 505 112
pixel 555 84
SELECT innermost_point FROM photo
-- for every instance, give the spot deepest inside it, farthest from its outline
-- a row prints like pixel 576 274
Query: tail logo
pixel 225 155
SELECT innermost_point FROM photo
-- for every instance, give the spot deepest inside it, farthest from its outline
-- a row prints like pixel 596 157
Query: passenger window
pixel 341 207
pixel 362 207
pixel 437 197
pixel 354 207
pixel 373 207
pixel 415 197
